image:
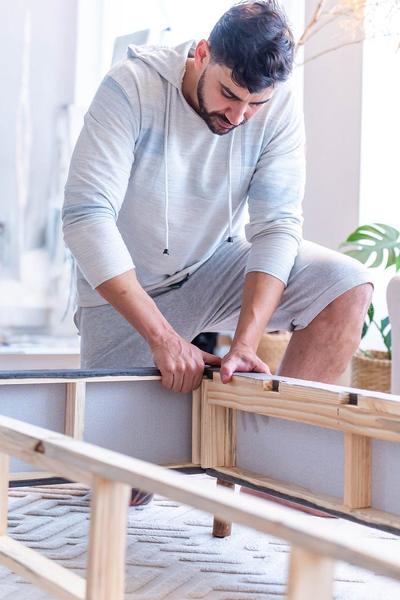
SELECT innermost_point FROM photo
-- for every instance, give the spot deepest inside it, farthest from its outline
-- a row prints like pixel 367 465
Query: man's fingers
pixel 211 359
pixel 227 371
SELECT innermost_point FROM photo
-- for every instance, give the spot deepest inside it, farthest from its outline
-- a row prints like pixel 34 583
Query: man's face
pixel 224 105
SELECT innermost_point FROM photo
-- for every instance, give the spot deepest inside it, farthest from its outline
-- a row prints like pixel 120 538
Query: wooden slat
pixel 4 475
pixel 310 576
pixel 369 516
pixel 99 379
pixel 107 542
pixel 39 570
pixel 218 433
pixel 357 471
pixel 75 409
pixel 251 396
pixel 265 516
pixel 196 425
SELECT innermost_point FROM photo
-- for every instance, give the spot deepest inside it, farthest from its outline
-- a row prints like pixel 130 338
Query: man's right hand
pixel 181 363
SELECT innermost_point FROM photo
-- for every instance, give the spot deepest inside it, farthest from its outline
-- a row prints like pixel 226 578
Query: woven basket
pixel 272 348
pixel 372 371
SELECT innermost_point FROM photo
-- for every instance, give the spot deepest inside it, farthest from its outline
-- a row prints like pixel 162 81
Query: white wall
pixel 332 105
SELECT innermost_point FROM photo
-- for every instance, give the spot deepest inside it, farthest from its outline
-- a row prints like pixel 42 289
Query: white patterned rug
pixel 171 552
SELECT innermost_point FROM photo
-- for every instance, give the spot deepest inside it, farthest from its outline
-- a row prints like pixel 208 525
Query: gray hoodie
pixel 151 187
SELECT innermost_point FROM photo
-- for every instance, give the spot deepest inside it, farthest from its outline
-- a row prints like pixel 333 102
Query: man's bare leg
pixel 322 350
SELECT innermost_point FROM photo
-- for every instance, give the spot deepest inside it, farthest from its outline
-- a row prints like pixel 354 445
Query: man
pixel 177 143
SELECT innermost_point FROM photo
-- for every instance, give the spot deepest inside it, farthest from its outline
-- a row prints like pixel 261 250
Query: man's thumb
pixel 211 359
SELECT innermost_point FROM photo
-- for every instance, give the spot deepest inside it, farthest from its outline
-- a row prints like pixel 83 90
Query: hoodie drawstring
pixel 230 238
pixel 166 193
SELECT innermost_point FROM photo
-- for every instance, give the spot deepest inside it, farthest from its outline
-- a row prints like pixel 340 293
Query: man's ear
pixel 202 54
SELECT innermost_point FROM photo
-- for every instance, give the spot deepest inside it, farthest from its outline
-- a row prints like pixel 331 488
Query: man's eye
pixel 227 95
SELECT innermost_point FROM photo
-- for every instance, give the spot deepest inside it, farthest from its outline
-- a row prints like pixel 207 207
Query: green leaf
pixel 387 340
pixel 385 323
pixel 371 312
pixel 369 243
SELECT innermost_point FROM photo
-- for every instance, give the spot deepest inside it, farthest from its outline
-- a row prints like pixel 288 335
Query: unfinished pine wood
pixel 4 476
pixel 196 425
pixel 370 516
pixel 218 433
pixel 255 396
pixel 39 570
pixel 265 516
pixel 310 576
pixel 107 540
pixel 97 379
pixel 221 528
pixel 357 471
pixel 75 409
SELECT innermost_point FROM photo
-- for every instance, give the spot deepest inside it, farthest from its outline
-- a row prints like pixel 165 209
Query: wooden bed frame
pixel 357 415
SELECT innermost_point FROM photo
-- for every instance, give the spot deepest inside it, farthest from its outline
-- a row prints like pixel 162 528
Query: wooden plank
pixel 39 570
pixel 4 475
pixel 265 516
pixel 218 433
pixel 252 397
pixel 357 471
pixel 196 425
pixel 75 409
pixel 97 379
pixel 107 540
pixel 369 516
pixel 310 576
pixel 27 475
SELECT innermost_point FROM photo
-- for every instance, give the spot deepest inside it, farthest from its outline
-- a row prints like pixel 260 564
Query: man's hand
pixel 181 363
pixel 241 358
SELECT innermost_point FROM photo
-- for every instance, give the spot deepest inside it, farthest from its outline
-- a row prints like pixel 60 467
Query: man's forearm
pixel 261 295
pixel 125 293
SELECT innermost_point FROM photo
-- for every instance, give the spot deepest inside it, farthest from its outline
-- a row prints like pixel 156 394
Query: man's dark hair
pixel 254 40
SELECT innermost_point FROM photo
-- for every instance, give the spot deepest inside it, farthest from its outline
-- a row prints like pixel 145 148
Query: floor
pixel 171 552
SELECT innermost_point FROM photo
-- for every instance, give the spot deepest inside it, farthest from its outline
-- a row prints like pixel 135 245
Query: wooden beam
pixel 331 409
pixel 310 576
pixel 4 476
pixel 369 516
pixel 39 570
pixel 75 409
pixel 107 541
pixel 265 516
pixel 218 432
pixel 357 471
pixel 196 424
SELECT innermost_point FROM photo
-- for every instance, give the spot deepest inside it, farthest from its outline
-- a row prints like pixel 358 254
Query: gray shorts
pixel 210 300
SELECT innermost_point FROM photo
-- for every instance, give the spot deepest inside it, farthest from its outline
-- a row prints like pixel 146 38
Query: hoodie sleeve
pixel 275 197
pixel 97 182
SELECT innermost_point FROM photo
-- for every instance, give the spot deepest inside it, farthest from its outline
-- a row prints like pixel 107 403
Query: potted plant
pixel 374 245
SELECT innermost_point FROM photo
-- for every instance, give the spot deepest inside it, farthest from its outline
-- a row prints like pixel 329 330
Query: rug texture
pixel 171 553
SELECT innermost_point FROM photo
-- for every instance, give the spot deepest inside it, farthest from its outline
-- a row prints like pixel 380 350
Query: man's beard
pixel 211 118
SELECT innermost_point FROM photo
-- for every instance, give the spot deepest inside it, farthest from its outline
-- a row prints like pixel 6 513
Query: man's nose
pixel 235 114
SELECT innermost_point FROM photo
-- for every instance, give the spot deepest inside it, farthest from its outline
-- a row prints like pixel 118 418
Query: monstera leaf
pixel 378 243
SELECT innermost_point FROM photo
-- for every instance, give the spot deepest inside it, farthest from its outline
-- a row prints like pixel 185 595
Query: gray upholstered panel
pixel 41 405
pixel 140 419
pixel 293 452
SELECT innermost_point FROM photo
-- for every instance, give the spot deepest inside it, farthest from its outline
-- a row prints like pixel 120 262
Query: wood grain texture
pixel 107 540
pixel 196 425
pixel 4 475
pixel 310 576
pixel 75 409
pixel 369 516
pixel 52 578
pixel 357 471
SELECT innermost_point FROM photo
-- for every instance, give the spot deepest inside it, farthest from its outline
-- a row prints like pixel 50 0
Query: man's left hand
pixel 244 359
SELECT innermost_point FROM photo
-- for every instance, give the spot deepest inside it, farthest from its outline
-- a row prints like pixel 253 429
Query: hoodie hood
pixel 170 63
